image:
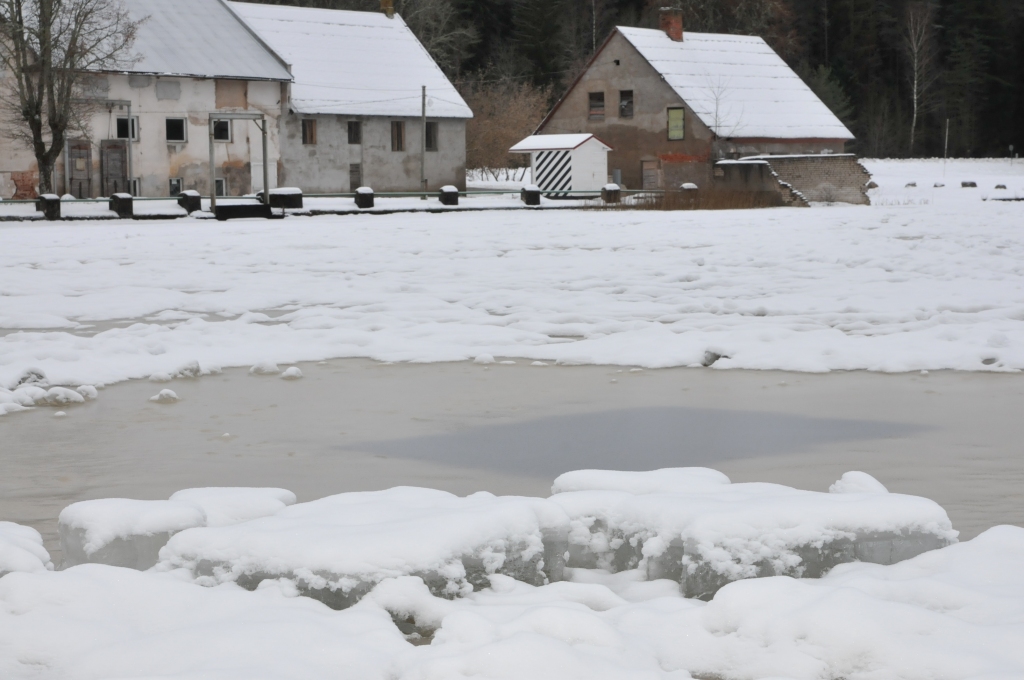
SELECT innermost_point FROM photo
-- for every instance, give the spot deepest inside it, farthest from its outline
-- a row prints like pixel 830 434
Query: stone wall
pixel 828 178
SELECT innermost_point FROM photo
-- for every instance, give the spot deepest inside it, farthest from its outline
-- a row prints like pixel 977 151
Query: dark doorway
pixel 114 162
pixel 80 168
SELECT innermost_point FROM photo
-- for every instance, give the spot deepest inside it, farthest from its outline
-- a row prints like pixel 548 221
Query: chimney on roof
pixel 388 7
pixel 672 23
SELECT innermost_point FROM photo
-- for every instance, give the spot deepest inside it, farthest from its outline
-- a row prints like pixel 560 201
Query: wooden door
pixel 114 162
pixel 80 168
pixel 652 178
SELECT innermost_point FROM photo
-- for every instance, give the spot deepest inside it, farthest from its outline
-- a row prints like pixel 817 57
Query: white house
pixel 196 59
pixel 355 111
pixel 341 94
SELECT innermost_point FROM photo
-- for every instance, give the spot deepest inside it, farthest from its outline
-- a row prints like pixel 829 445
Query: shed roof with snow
pixel 354 63
pixel 201 39
pixel 555 143
pixel 737 85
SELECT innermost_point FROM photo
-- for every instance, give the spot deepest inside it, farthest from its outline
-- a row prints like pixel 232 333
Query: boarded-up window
pixel 355 132
pixel 176 130
pixel 596 100
pixel 677 123
pixel 309 131
pixel 355 176
pixel 431 136
pixel 626 104
pixel 231 94
pixel 397 135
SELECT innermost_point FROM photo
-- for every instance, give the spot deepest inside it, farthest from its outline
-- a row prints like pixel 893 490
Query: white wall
pixel 155 160
pixel 589 167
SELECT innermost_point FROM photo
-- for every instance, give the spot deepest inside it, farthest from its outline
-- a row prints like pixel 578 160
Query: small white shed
pixel 561 163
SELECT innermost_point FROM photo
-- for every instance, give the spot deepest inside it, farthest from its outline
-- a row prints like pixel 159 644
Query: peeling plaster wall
pixel 155 160
pixel 324 167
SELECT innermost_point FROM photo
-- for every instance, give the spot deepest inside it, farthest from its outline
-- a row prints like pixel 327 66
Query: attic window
pixel 676 124
pixel 309 131
pixel 626 104
pixel 596 105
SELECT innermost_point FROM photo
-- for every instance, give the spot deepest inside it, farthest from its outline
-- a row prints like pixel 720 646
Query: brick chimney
pixel 672 23
pixel 388 7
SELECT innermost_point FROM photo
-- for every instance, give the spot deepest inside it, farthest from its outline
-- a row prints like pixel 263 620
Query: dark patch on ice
pixel 633 439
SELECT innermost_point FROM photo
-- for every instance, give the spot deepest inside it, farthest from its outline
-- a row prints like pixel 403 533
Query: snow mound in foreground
pixel 21 549
pixel 130 533
pixel 955 613
pixel 693 527
pixel 337 548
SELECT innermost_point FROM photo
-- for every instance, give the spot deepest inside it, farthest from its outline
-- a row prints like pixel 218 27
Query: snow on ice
pixel 130 533
pixel 954 613
pixel 925 279
pixel 21 549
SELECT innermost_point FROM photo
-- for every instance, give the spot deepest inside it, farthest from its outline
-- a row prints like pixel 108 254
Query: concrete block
pixel 449 195
pixel 123 205
pixel 49 205
pixel 191 201
pixel 364 197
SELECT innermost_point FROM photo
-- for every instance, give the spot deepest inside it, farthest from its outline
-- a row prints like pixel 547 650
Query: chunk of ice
pixel 713 532
pixel 122 532
pixel 264 368
pixel 857 482
pixel 293 373
pixel 21 549
pixel 225 506
pixel 337 548
pixel 165 397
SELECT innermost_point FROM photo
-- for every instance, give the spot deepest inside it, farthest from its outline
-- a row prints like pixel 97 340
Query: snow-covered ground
pixel 245 604
pixel 929 278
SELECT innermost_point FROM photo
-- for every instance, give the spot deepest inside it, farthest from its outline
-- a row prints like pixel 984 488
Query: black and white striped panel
pixel 553 172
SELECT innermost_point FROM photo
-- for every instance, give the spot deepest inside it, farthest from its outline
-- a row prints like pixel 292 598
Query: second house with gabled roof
pixel 671 104
pixel 354 114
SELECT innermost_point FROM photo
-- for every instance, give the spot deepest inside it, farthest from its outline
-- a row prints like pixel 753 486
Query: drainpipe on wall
pixel 423 145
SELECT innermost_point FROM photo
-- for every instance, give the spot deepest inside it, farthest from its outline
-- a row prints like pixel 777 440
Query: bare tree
pixel 504 112
pixel 47 48
pixel 919 50
pixel 439 27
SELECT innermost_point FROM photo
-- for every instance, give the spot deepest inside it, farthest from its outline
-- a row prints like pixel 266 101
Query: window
pixel 431 136
pixel 135 187
pixel 176 186
pixel 355 132
pixel 221 186
pixel 309 131
pixel 122 128
pixel 676 124
pixel 597 106
pixel 176 130
pixel 626 104
pixel 397 135
pixel 355 176
pixel 222 130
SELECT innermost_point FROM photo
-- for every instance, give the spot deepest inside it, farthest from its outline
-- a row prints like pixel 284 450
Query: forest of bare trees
pixel 898 72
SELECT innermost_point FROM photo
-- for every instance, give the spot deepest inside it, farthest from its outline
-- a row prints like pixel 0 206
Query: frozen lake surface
pixel 463 427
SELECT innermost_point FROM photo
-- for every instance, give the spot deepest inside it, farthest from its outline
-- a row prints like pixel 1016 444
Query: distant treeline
pixel 894 70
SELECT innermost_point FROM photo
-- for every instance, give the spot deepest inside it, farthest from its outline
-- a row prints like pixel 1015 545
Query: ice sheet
pixel 338 547
pixel 707 533
pixel 122 532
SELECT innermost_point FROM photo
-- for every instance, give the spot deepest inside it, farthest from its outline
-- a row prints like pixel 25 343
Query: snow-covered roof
pixel 354 63
pixel 555 143
pixel 199 38
pixel 737 85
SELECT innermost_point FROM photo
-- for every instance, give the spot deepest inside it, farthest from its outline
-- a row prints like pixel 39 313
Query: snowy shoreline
pixel 927 279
